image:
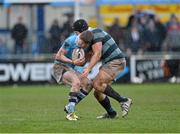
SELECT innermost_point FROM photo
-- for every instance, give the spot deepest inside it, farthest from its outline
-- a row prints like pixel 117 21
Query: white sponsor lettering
pixel 4 72
pixel 29 71
pixel 19 71
pixel 150 70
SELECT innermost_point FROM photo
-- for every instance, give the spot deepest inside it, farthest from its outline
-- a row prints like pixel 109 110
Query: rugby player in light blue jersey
pixel 64 72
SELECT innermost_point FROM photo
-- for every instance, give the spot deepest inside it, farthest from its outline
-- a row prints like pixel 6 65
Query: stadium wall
pixel 38 70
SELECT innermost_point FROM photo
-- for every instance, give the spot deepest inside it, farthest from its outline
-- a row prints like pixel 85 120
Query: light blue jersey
pixel 69 45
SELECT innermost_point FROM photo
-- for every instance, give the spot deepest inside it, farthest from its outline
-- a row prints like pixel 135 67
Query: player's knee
pixel 97 85
pixel 87 85
pixel 76 85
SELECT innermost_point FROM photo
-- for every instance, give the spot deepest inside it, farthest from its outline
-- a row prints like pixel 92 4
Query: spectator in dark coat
pixel 116 31
pixel 152 37
pixel 67 26
pixel 161 29
pixel 19 34
pixel 55 36
pixel 134 44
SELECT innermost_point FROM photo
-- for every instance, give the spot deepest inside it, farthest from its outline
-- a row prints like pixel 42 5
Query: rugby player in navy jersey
pixel 113 60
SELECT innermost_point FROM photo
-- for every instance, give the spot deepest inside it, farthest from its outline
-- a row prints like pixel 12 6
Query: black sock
pixel 81 95
pixel 112 93
pixel 73 97
pixel 107 106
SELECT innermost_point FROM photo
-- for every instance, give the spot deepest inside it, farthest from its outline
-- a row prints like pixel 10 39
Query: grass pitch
pixel 155 109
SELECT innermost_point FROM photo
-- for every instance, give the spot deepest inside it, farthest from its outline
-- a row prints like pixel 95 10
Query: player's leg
pixel 63 74
pixel 86 87
pixel 101 83
pixel 105 103
pixel 70 78
pixel 104 78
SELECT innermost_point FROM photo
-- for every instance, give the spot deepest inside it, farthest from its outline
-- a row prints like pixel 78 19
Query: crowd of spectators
pixel 48 42
pixel 143 33
pixel 59 34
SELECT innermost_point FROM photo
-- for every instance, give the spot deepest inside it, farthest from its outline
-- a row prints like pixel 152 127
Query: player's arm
pixel 61 56
pixel 96 49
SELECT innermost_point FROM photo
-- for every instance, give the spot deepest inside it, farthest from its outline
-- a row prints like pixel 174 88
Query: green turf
pixel 24 109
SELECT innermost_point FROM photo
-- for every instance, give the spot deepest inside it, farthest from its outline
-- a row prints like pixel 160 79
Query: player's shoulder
pixel 96 30
pixel 71 38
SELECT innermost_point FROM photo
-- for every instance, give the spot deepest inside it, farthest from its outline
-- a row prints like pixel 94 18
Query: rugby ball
pixel 78 53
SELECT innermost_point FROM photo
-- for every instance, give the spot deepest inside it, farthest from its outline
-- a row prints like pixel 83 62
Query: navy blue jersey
pixel 110 50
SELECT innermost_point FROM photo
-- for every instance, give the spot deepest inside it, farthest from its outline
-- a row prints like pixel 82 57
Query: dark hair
pixel 80 25
pixel 86 36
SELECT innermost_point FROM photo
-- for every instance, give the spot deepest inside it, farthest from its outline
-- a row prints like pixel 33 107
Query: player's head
pixel 79 26
pixel 85 39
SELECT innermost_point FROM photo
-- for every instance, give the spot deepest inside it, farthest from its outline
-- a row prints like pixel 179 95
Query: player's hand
pixel 85 73
pixel 79 62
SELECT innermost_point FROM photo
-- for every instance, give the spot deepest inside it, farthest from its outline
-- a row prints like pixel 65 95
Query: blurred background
pixel 148 31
